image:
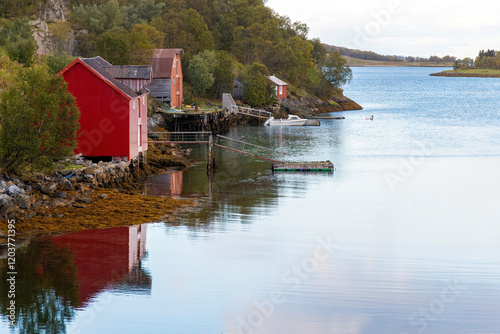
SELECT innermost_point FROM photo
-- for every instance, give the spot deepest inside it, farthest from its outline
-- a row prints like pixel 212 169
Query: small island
pixel 486 65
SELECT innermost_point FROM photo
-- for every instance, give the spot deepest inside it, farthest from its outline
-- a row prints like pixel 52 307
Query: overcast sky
pixel 400 27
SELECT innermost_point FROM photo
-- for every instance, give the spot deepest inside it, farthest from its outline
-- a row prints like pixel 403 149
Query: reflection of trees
pixel 46 290
pixel 244 187
pixel 239 189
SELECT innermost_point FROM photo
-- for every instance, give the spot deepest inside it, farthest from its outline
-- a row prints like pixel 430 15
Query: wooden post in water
pixel 211 160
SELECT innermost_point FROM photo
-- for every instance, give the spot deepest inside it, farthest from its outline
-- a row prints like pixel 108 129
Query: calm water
pixel 402 238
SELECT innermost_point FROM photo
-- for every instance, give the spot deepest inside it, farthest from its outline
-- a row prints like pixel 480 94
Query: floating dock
pixel 312 122
pixel 315 166
pixel 325 117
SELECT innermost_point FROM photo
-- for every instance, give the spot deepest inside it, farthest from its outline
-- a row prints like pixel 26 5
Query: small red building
pixel 280 87
pixel 166 85
pixel 113 121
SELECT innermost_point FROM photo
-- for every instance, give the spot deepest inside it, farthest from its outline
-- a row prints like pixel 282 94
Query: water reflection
pixel 47 290
pixel 58 275
pixel 165 185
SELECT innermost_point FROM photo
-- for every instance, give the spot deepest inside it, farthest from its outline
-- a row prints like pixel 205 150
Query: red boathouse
pixel 281 87
pixel 113 121
pixel 166 86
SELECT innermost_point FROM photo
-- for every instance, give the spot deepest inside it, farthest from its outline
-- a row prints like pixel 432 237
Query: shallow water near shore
pixel 401 238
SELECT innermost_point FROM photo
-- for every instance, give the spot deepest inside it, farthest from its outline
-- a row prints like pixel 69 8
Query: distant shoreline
pixel 356 62
pixel 469 73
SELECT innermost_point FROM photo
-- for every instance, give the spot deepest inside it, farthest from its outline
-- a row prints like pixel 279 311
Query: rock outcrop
pixel 56 10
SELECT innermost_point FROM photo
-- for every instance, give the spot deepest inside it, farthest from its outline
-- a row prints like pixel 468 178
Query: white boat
pixel 293 120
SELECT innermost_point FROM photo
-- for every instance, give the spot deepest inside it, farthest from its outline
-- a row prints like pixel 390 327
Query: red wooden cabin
pixel 166 86
pixel 113 117
pixel 280 87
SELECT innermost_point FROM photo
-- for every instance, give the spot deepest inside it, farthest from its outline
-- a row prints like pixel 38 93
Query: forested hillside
pixel 224 39
pixel 370 55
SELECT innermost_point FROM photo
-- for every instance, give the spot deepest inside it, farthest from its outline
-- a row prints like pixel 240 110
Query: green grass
pixel 470 72
pixel 475 71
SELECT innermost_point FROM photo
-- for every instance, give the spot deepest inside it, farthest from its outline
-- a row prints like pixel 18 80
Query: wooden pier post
pixel 211 160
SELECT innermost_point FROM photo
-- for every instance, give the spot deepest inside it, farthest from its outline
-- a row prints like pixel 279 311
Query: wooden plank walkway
pixel 252 112
pixel 326 117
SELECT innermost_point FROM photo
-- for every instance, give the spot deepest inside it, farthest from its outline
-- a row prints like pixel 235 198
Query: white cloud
pixel 420 28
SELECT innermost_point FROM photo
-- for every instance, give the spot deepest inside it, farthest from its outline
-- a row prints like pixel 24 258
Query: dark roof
pixel 100 65
pixel 141 72
pixel 162 62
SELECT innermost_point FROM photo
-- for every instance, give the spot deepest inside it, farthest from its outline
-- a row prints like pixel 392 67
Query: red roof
pixel 163 60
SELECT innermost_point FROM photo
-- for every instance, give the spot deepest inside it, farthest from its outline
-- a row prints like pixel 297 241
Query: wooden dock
pixel 315 166
pixel 326 117
pixel 312 122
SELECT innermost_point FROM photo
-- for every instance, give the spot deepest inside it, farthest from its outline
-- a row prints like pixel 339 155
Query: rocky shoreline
pixel 464 75
pixel 64 200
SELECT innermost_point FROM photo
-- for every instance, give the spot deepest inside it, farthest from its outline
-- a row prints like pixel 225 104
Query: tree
pixel 258 89
pixel 114 47
pixel 142 11
pixel 201 72
pixel 19 41
pixel 298 59
pixel 97 19
pixel 143 40
pixel 196 26
pixel 8 69
pixel 39 121
pixel 59 60
pixel 318 52
pixel 336 70
pixel 223 74
pixel 468 62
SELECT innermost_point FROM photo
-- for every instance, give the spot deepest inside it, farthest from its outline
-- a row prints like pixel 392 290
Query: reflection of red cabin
pixel 113 117
pixel 105 257
pixel 166 185
pixel 280 87
pixel 166 86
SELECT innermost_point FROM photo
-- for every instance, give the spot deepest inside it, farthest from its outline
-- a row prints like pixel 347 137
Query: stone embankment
pixel 21 199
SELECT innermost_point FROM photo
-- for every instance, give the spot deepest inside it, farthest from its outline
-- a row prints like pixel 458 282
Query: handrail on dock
pixel 200 137
pixel 243 142
pixel 193 137
pixel 246 153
